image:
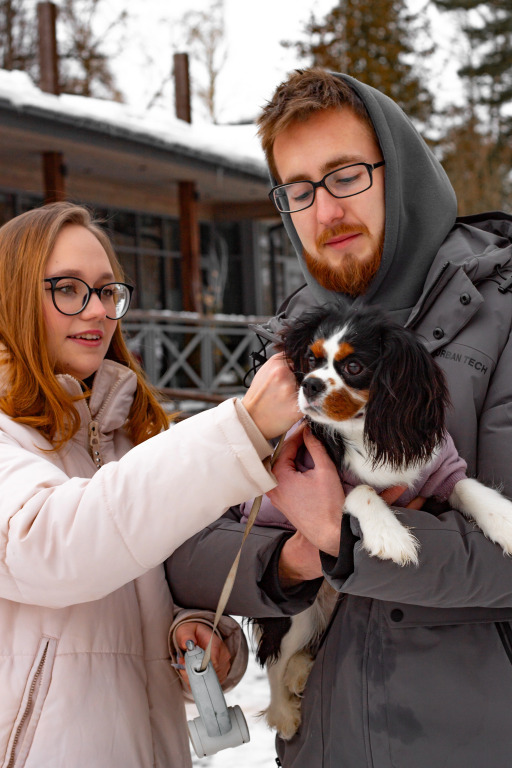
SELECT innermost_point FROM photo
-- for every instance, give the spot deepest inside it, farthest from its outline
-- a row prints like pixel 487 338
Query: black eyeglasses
pixel 71 295
pixel 343 182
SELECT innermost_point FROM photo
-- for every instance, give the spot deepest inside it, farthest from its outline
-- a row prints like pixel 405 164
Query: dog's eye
pixel 353 367
pixel 312 361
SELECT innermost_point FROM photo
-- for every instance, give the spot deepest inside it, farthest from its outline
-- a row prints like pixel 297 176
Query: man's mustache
pixel 340 229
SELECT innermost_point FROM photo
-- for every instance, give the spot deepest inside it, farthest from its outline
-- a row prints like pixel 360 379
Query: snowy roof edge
pixel 72 110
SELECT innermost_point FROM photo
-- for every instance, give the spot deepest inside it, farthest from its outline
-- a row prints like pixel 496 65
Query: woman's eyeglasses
pixel 71 295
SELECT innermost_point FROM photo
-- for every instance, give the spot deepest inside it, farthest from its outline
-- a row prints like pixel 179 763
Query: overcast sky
pixel 256 62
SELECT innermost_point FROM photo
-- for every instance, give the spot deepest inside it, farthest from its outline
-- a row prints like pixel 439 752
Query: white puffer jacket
pixel 85 611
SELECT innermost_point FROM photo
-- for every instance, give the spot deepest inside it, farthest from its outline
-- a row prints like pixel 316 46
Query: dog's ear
pixel 405 415
pixel 298 335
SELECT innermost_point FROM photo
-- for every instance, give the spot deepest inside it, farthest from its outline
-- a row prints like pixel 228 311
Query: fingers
pixel 289 448
pixel 184 632
pixel 220 656
pixel 390 495
pixel 315 448
pixel 417 503
pixel 271 400
pixel 200 635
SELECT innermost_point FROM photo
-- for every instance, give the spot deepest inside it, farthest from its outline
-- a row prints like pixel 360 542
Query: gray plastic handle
pixel 217 726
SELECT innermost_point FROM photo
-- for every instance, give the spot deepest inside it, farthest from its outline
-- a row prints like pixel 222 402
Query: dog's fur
pixel 377 400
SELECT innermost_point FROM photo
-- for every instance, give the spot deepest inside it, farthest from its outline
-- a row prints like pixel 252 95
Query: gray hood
pixel 420 210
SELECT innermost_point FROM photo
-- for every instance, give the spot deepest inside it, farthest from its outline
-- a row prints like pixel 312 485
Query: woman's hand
pixel 200 635
pixel 271 400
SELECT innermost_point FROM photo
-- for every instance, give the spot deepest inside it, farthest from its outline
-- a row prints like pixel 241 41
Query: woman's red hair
pixel 31 393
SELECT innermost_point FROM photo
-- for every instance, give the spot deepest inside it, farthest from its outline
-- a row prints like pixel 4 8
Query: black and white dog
pixel 377 400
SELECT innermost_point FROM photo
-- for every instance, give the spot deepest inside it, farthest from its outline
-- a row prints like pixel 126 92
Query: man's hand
pixel 271 400
pixel 299 561
pixel 312 500
pixel 200 635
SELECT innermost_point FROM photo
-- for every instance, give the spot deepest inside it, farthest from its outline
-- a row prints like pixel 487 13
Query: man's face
pixel 342 237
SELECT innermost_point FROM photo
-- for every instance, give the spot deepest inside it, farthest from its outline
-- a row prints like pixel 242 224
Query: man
pixel 415 669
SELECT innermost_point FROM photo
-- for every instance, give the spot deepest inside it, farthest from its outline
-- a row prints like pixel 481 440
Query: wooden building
pixel 186 205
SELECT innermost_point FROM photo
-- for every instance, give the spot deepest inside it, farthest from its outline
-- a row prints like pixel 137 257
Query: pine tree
pixel 478 168
pixel 375 41
pixel 477 152
pixel 488 28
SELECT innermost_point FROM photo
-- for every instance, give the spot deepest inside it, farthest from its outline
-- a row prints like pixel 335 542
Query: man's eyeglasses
pixel 71 295
pixel 343 182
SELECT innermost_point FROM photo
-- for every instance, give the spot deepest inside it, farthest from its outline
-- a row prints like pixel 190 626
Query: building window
pixel 281 274
pixel 148 248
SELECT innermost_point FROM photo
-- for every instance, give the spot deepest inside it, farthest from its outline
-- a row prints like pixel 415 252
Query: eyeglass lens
pixel 71 295
pixel 343 182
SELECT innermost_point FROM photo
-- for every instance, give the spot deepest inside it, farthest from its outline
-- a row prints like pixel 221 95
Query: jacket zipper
pixel 28 706
pixel 94 443
pixel 417 311
pixel 94 429
pixel 505 633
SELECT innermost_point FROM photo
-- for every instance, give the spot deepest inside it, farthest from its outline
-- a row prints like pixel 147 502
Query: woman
pixel 95 494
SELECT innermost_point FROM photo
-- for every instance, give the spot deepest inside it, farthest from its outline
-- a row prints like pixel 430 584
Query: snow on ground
pixel 252 695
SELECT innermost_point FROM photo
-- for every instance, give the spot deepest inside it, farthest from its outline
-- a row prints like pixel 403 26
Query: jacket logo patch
pixel 459 357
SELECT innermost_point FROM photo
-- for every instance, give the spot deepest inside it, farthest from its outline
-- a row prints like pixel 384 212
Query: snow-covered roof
pixel 230 145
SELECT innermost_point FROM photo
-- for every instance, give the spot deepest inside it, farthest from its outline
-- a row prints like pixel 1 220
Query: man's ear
pixel 405 415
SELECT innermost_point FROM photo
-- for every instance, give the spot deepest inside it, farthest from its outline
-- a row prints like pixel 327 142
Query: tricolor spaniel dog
pixel 376 399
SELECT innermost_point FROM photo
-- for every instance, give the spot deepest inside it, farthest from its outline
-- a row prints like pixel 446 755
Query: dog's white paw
pixel 284 716
pixel 399 545
pixel 297 672
pixel 491 511
pixel 498 528
pixel 383 535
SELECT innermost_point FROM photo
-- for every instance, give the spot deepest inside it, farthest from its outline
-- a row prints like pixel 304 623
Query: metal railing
pixel 190 352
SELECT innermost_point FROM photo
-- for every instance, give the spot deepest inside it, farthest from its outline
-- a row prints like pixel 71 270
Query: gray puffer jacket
pixel 415 669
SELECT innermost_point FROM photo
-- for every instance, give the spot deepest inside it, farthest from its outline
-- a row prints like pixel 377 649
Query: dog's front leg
pixel 383 535
pixel 491 511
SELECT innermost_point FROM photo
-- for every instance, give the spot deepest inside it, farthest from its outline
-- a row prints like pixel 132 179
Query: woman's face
pixel 77 344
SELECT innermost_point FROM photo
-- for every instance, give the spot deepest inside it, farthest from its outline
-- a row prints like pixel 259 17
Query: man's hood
pixel 420 209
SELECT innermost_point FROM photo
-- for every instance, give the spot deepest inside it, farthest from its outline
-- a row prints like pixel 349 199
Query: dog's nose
pixel 312 386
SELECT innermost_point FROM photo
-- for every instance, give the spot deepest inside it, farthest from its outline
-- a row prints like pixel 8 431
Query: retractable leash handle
pixel 218 726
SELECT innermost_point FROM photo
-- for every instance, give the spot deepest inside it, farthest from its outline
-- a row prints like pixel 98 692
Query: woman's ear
pixel 405 416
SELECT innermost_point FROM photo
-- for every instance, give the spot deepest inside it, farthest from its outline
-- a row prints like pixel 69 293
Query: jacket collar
pixel 450 297
pixel 111 397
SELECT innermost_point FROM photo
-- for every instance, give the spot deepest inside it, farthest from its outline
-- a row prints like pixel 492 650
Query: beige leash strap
pixel 230 579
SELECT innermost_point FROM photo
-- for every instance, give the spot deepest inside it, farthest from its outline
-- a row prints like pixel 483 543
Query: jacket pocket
pixel 505 633
pixel 34 695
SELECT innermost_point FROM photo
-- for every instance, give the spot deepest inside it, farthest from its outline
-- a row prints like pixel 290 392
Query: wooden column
pixel 48 57
pixel 53 162
pixel 191 283
pixel 182 87
pixel 54 174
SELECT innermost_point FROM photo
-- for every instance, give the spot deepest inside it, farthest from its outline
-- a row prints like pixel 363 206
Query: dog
pixel 377 400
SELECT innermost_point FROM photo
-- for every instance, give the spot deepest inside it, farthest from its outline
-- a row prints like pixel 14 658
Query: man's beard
pixel 353 275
